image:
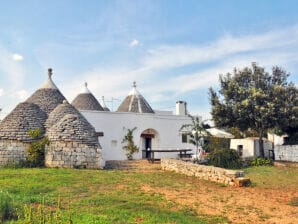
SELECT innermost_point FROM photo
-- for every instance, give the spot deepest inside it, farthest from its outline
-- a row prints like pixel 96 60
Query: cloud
pixel 17 57
pixel 166 73
pixel 134 43
pixel 1 92
pixel 172 56
pixel 22 94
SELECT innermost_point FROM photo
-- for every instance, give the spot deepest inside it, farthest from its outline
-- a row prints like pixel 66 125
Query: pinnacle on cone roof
pixel 135 102
pixel 86 101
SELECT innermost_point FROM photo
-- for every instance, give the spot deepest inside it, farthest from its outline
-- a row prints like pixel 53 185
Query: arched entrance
pixel 149 140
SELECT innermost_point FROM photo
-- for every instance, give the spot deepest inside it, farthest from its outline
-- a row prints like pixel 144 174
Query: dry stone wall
pixel 12 152
pixel 72 155
pixel 286 153
pixel 215 174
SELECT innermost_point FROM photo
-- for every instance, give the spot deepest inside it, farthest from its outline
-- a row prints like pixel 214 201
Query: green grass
pixel 271 177
pixel 98 196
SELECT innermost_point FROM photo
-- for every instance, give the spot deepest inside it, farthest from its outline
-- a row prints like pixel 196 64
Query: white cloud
pixel 1 92
pixel 153 71
pixel 181 55
pixel 134 43
pixel 22 94
pixel 13 71
pixel 17 57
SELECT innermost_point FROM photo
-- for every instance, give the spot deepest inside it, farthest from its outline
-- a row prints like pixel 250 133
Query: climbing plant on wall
pixel 35 153
pixel 129 146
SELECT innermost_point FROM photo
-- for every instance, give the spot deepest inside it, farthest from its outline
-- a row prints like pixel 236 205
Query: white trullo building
pixel 85 134
pixel 155 130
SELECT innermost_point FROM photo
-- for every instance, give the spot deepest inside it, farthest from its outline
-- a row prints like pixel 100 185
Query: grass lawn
pixel 97 196
pixel 100 196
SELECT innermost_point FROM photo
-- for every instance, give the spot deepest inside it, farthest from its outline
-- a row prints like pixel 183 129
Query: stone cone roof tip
pixel 48 96
pixel 135 102
pixel 49 84
pixel 86 101
pixel 24 117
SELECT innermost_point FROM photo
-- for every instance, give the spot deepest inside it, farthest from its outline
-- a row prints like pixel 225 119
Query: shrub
pixel 214 143
pixel 7 210
pixel 35 152
pixel 261 162
pixel 225 158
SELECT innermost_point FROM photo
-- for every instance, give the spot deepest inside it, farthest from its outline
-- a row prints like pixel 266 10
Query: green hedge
pixel 225 158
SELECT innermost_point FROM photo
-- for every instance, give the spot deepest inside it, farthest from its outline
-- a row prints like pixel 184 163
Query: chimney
pixel 181 108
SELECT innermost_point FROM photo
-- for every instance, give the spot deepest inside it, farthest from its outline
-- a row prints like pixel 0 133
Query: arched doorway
pixel 149 141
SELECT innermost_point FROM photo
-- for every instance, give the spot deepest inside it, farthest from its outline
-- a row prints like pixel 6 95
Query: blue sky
pixel 174 50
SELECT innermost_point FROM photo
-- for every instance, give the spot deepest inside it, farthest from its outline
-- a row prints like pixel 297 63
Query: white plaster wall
pixel 248 146
pixel 286 153
pixel 276 139
pixel 114 125
pixel 251 146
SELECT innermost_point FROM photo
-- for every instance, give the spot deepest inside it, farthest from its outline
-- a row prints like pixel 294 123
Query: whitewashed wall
pixel 251 146
pixel 286 153
pixel 114 125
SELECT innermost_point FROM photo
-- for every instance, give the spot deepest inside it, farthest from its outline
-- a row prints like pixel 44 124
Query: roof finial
pixel 86 84
pixel 50 72
pixel 134 84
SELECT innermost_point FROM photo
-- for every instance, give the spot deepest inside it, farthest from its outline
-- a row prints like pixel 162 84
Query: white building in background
pixel 250 147
pixel 155 130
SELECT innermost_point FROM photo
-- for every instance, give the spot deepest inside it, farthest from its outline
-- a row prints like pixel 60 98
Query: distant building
pixel 250 147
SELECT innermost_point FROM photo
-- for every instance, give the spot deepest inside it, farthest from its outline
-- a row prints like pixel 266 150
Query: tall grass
pixel 7 209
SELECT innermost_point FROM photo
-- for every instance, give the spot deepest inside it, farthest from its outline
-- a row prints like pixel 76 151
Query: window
pixel 114 143
pixel 240 150
pixel 184 138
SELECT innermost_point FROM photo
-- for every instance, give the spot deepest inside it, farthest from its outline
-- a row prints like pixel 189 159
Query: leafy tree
pixel 215 143
pixel 252 98
pixel 130 146
pixel 197 131
pixel 35 153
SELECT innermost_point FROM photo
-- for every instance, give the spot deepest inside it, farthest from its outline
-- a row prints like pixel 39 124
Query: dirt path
pixel 239 205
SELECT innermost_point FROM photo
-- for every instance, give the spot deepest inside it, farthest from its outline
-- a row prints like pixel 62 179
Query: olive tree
pixel 251 98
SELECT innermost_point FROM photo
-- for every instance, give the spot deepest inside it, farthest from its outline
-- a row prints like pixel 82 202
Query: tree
pixel 130 146
pixel 197 131
pixel 252 98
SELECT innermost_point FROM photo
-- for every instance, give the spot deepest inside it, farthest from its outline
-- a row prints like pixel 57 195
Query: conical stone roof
pixel 59 112
pixel 86 101
pixel 135 102
pixel 24 117
pixel 48 96
pixel 73 128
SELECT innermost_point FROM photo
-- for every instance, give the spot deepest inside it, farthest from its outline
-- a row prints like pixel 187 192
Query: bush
pixel 36 150
pixel 7 210
pixel 261 162
pixel 214 143
pixel 225 158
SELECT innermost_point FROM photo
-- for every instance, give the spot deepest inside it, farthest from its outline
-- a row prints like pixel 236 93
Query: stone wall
pixel 12 151
pixel 72 155
pixel 286 153
pixel 215 174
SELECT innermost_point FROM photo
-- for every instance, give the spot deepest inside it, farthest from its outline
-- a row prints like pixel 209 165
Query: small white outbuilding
pixel 250 147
